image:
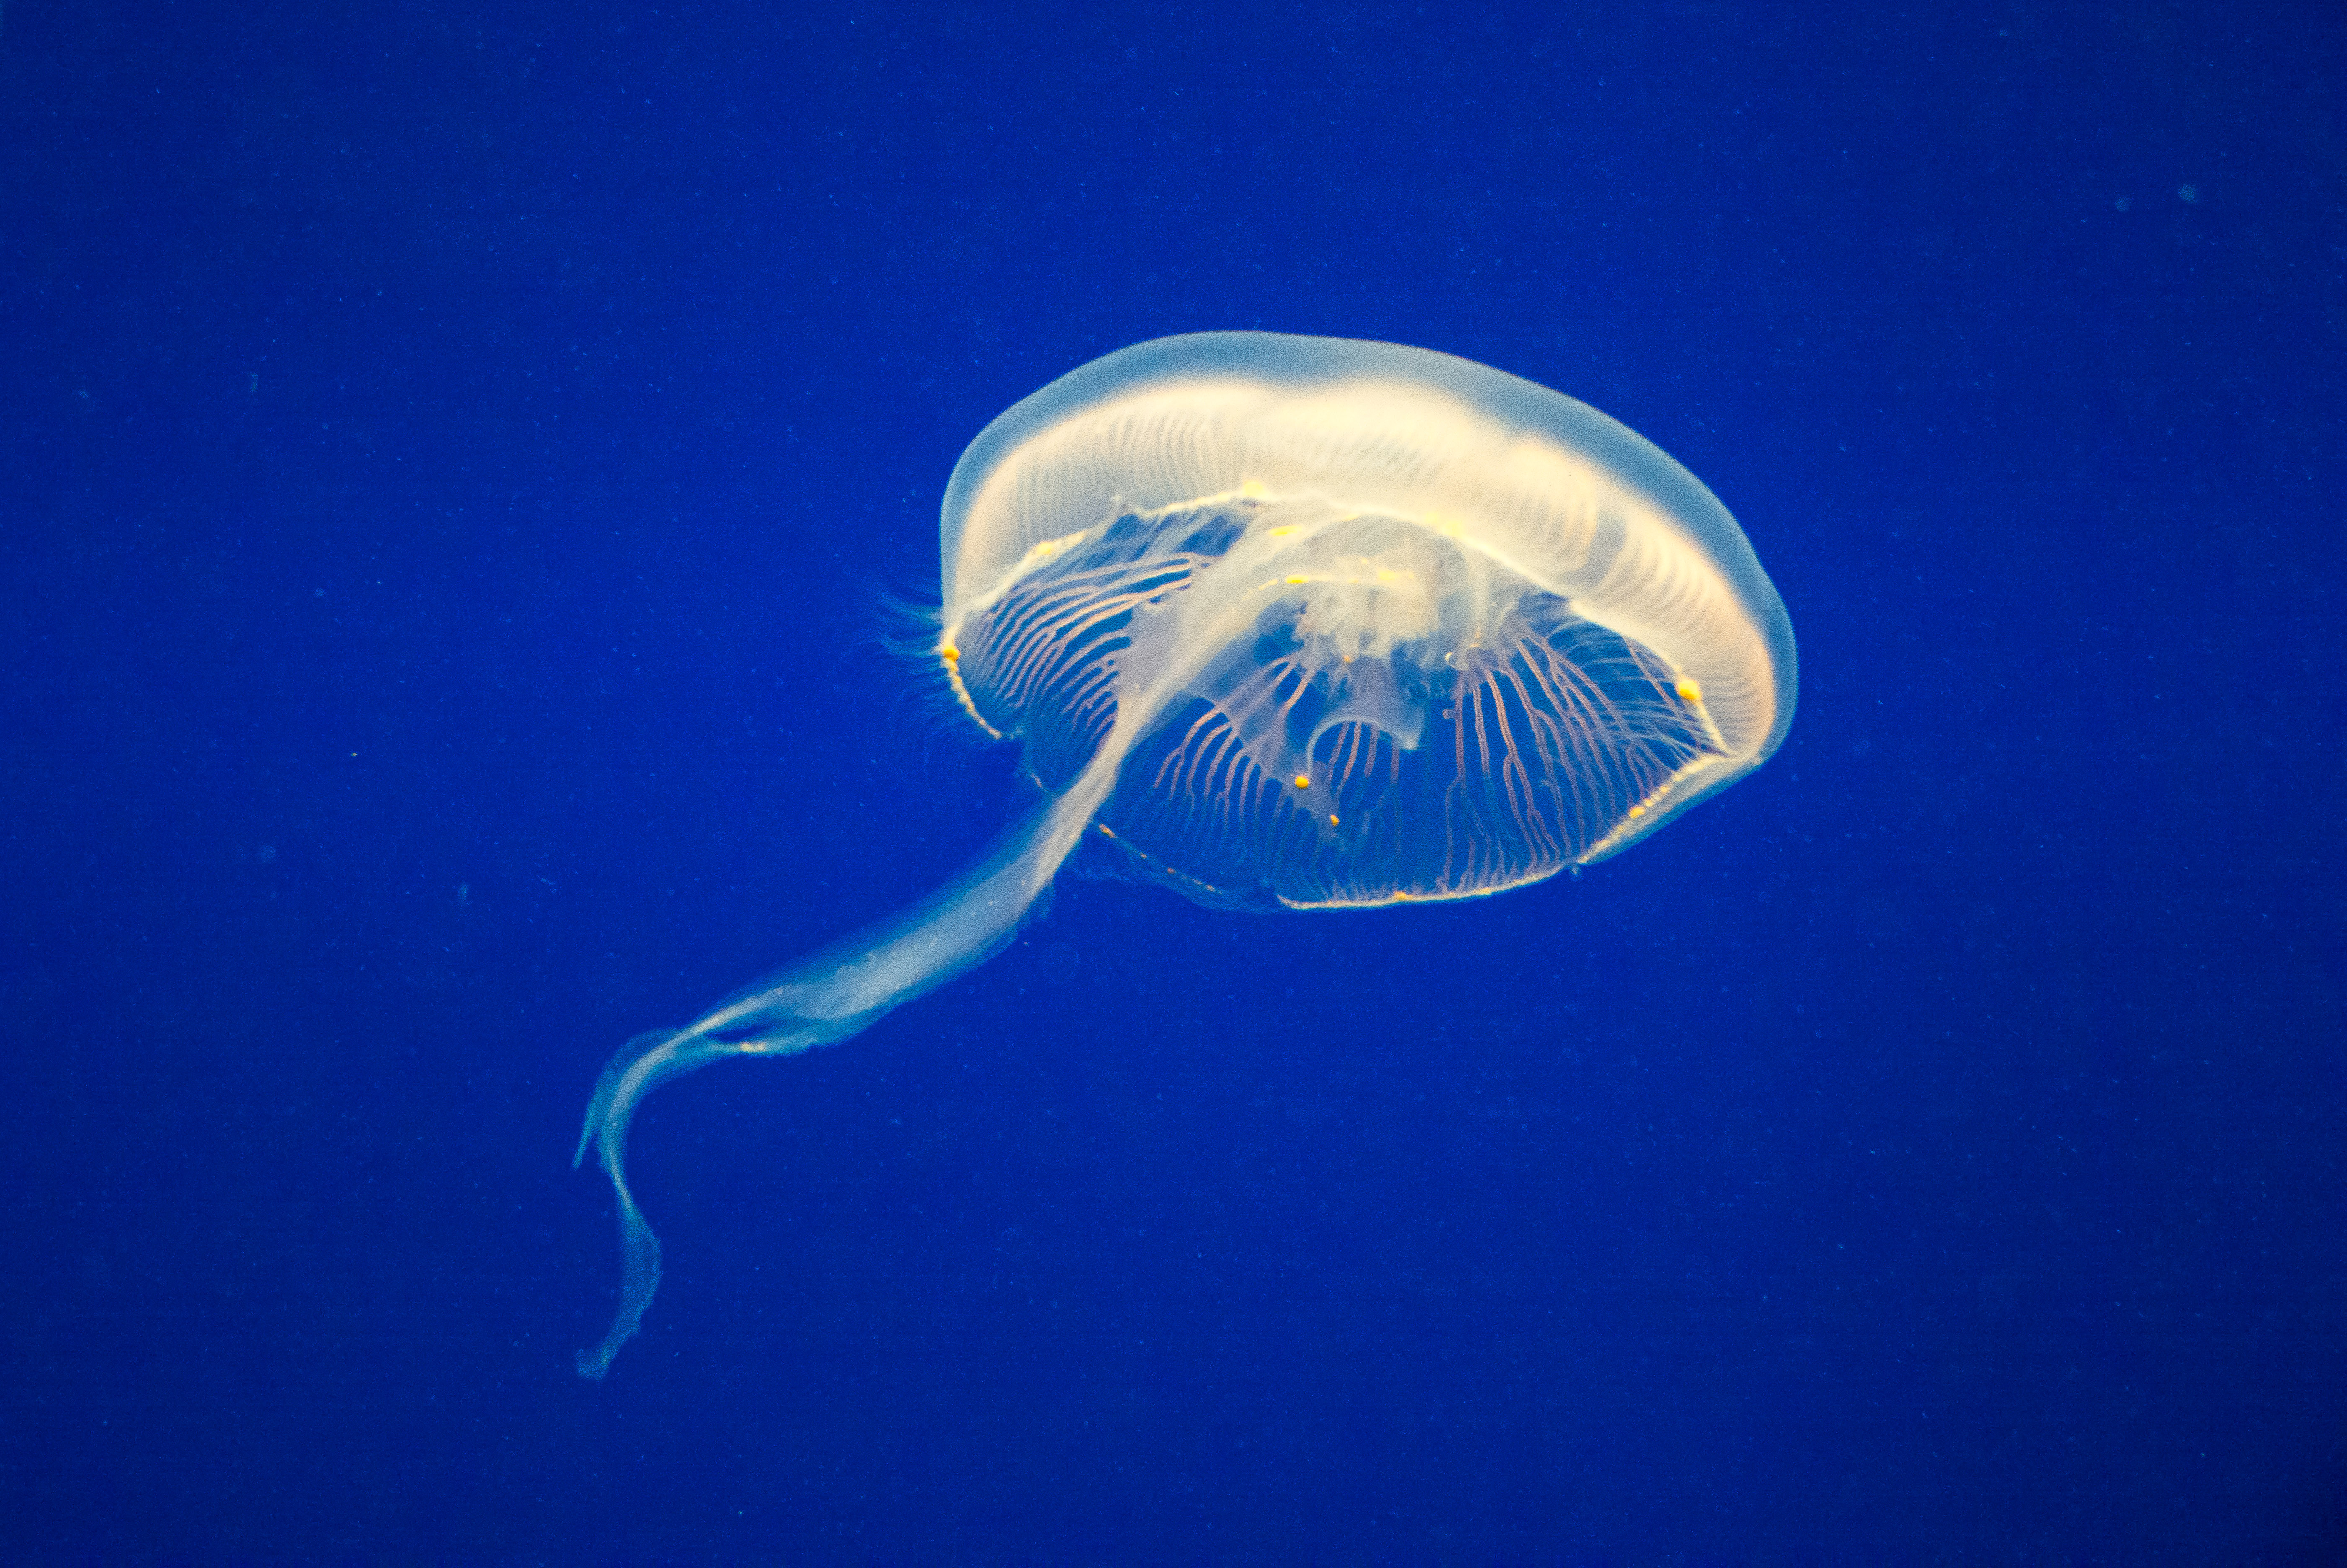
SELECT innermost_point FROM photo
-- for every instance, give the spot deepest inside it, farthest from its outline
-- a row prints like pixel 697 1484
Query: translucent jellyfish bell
pixel 1295 622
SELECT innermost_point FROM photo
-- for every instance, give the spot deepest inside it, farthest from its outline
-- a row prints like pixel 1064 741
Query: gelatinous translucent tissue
pixel 1294 623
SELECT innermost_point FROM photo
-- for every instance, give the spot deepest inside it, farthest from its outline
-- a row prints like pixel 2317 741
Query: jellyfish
pixel 1292 623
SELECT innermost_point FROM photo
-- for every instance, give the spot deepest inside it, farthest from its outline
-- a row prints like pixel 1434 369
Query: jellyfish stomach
pixel 1325 616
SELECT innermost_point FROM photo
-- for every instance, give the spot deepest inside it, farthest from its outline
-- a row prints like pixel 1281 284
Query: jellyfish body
pixel 1295 623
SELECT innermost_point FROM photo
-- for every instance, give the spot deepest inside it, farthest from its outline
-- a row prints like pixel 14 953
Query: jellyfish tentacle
pixel 644 1062
pixel 826 998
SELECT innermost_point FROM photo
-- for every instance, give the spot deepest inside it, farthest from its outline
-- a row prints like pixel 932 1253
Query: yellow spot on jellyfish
pixel 1506 635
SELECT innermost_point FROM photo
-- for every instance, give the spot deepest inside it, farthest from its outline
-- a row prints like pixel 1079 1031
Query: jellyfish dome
pixel 1384 624
pixel 1294 623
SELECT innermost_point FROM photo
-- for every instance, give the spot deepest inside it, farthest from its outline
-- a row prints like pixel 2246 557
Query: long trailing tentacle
pixel 646 1061
pixel 837 993
pixel 826 998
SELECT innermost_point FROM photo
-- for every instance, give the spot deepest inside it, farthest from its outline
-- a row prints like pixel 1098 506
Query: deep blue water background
pixel 451 463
